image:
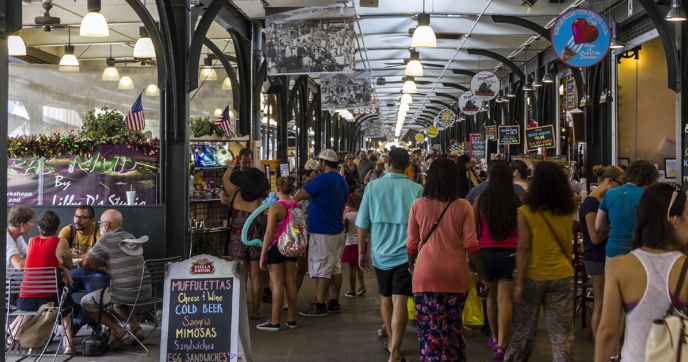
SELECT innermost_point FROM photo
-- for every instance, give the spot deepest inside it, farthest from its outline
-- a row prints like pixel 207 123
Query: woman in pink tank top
pixel 282 269
pixel 639 285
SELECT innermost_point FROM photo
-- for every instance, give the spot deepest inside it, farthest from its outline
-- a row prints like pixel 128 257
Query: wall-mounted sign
pixel 484 86
pixel 432 131
pixel 490 133
pixel 510 135
pixel 477 146
pixel 419 137
pixel 469 104
pixel 540 137
pixel 446 118
pixel 580 38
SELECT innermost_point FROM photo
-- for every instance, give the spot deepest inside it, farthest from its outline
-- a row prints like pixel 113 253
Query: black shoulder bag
pixel 97 343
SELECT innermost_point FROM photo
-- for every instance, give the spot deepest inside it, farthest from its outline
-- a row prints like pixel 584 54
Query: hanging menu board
pixel 204 312
pixel 490 133
pixel 540 137
pixel 510 135
pixel 477 146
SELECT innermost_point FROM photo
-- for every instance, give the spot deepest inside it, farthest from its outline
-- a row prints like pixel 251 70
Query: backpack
pixel 292 242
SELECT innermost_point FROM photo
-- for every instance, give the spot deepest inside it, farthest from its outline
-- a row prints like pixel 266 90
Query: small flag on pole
pixel 135 119
pixel 223 122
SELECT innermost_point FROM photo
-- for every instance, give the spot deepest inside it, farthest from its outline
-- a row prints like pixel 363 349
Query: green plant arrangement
pixel 204 127
pixel 108 123
pixel 53 145
pixel 204 243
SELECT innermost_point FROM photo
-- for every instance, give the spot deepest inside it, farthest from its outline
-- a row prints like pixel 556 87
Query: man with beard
pixel 123 254
pixel 82 235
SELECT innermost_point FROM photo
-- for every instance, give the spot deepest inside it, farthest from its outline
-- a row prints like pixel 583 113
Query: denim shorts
pixel 498 263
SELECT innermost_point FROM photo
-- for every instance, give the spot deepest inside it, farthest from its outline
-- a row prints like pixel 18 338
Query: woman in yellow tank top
pixel 543 262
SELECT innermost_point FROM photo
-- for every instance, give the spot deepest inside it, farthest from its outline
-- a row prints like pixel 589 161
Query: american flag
pixel 223 122
pixel 135 119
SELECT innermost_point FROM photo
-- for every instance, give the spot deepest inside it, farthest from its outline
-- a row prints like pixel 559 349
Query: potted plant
pixel 108 123
pixel 205 128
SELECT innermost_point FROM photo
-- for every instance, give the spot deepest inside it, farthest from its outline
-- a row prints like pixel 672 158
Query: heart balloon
pixel 584 32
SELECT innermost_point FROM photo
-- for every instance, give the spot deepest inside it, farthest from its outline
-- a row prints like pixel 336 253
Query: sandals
pixel 381 333
pixel 499 352
pixel 138 332
pixel 120 341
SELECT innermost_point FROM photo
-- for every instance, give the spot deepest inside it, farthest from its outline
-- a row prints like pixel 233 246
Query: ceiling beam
pixel 502 59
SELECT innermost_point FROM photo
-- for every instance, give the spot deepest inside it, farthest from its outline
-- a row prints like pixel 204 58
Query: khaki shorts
pixel 90 302
pixel 324 255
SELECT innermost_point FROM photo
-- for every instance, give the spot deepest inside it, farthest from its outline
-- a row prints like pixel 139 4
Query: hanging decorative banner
pixel 346 91
pixel 580 38
pixel 468 104
pixel 419 137
pixel 437 124
pixel 484 86
pixel 432 131
pixel 446 118
pixel 311 40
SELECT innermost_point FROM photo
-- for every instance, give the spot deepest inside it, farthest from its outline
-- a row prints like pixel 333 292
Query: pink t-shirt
pixel 441 265
pixel 486 240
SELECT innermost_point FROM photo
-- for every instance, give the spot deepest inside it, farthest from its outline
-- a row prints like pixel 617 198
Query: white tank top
pixel 653 305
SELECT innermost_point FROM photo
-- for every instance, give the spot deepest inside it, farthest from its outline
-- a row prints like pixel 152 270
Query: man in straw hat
pixel 123 255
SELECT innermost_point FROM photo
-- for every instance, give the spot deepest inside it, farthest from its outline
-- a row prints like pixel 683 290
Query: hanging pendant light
pixel 526 86
pixel 414 68
pixel 16 46
pixel 616 43
pixel 110 74
pixel 144 48
pixel 424 36
pixel 69 63
pixel 226 84
pixel 511 93
pixel 125 83
pixel 676 12
pixel 152 90
pixel 548 78
pixel 536 81
pixel 409 86
pixel 94 24
pixel 406 98
pixel 208 73
pixel 404 107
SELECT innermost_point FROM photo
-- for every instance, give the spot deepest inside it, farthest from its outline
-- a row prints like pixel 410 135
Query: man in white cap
pixel 123 255
pixel 328 192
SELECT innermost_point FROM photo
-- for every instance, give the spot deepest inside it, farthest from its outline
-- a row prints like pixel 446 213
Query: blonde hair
pixel 349 155
pixel 286 184
pixel 612 172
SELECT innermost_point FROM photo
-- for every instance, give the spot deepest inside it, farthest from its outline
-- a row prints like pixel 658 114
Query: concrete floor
pixel 349 336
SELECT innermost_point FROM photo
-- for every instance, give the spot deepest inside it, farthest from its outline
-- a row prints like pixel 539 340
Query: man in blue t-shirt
pixel 328 193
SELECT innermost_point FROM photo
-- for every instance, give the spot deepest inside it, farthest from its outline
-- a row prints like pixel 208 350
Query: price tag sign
pixel 540 137
pixel 490 133
pixel 477 146
pixel 510 135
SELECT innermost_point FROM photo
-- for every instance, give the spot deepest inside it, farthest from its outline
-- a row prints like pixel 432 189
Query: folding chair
pixel 32 280
pixel 153 272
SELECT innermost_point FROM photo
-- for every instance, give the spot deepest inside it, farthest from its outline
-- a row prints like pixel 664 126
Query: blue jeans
pixel 89 280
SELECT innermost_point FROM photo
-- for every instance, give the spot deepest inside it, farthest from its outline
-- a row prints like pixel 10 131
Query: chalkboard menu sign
pixel 510 135
pixel 540 137
pixel 477 146
pixel 204 312
pixel 490 133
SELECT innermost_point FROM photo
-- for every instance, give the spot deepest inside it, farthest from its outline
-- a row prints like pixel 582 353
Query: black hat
pixel 253 180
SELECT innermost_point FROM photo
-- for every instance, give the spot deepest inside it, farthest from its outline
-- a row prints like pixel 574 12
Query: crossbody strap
pixel 553 233
pixel 628 207
pixel 434 226
pixel 100 313
pixel 679 286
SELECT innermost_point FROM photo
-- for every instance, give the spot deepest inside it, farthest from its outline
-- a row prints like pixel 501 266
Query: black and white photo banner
pixel 346 91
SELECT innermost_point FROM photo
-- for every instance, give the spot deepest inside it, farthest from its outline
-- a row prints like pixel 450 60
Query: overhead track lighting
pixel 616 43
pixel 406 98
pixel 409 86
pixel 144 48
pixel 15 46
pixel 94 25
pixel 414 67
pixel 676 12
pixel 423 36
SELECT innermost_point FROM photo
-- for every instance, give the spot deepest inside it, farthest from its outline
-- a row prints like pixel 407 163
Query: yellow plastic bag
pixel 411 306
pixel 473 317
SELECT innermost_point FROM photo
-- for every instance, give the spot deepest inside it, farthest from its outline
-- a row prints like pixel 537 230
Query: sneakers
pixel 334 308
pixel 268 326
pixel 361 291
pixel 314 312
pixel 292 325
pixel 350 294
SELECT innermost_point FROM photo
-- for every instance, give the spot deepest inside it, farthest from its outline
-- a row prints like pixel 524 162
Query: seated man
pixel 82 236
pixel 19 222
pixel 123 255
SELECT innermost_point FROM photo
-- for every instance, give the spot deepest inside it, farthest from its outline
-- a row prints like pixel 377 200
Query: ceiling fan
pixel 47 21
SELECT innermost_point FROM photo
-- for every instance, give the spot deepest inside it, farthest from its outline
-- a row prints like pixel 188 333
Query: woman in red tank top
pixel 47 250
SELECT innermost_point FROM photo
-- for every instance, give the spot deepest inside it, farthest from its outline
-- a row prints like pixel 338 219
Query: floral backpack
pixel 292 242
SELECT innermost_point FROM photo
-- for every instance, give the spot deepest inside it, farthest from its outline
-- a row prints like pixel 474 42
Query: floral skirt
pixel 440 328
pixel 235 248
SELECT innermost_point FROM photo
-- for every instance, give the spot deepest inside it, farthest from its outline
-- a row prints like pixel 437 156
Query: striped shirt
pixel 125 269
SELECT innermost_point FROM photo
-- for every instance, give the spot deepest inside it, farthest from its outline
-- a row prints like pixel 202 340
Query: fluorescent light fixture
pixel 126 83
pixel 409 86
pixel 69 63
pixel 16 46
pixel 110 74
pixel 144 48
pixel 414 68
pixel 94 25
pixel 152 90
pixel 423 36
